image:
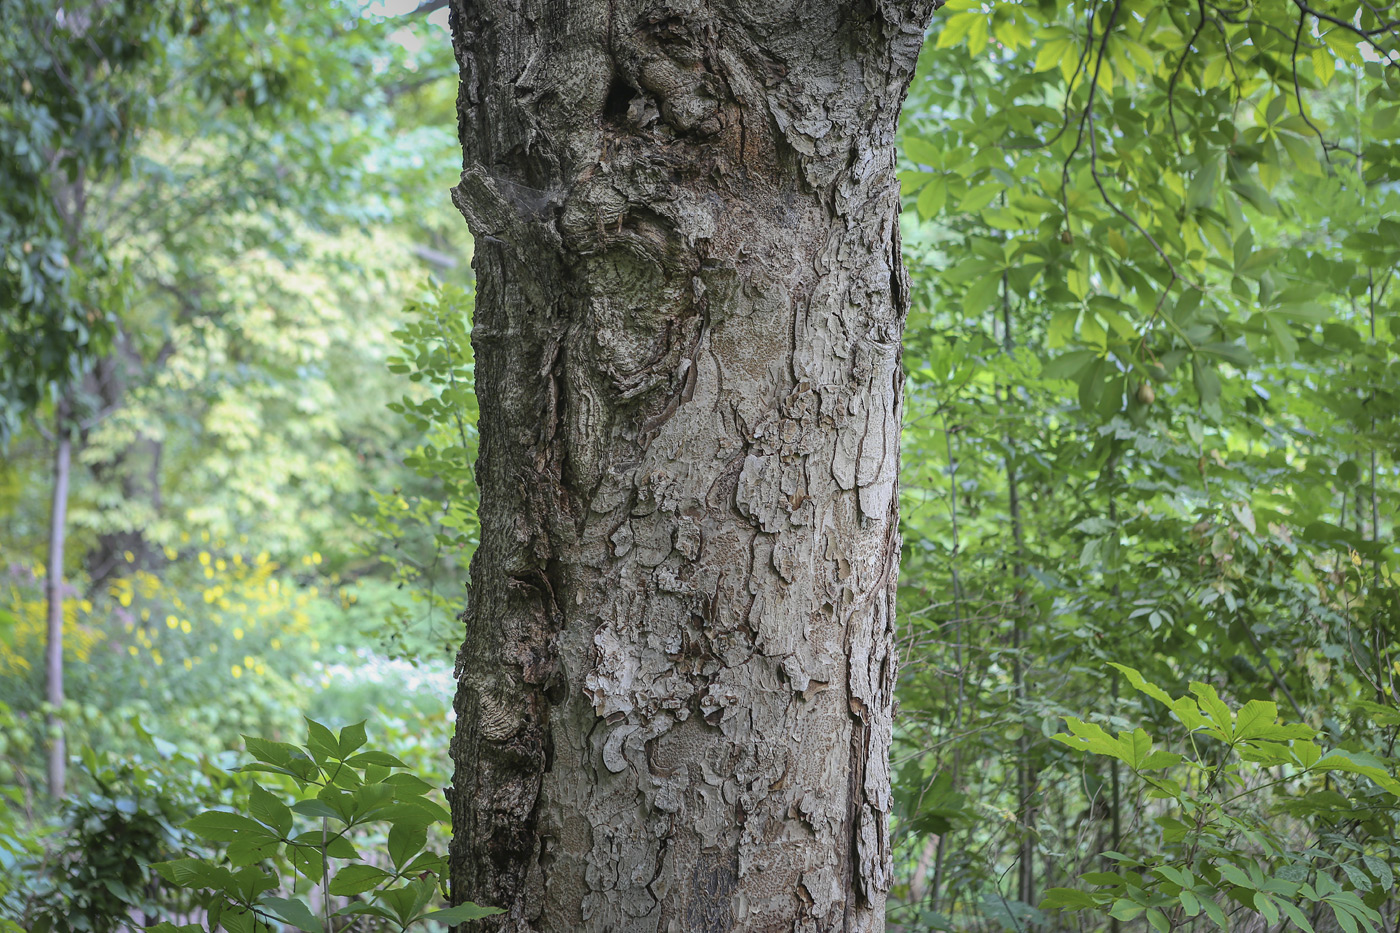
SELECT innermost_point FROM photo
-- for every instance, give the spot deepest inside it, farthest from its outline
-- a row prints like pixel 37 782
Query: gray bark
pixel 675 688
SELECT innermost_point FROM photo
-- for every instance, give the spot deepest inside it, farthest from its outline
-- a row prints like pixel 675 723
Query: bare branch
pixel 1176 73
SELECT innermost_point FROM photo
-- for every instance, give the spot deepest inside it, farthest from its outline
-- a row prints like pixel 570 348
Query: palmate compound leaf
pixel 408 901
pixel 1258 720
pixel 248 839
pixel 1132 748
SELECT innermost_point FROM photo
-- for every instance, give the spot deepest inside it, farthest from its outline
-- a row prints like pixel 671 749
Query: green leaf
pixel 1202 189
pixel 405 842
pixel 222 826
pixel 1344 918
pixel 1089 737
pixel 1381 870
pixel 932 198
pixel 1124 909
pixel 267 809
pixel 1206 381
pixel 1069 365
pixel 979 197
pixel 1266 906
pixel 319 809
pixel 1254 719
pixel 407 902
pixel 351 738
pixel 196 873
pixel 1229 352
pixel 307 860
pixel 373 910
pixel 462 913
pixel 1214 707
pixel 1067 899
pixel 274 753
pixel 356 879
pixel 1235 875
pixel 292 910
pixel 1141 684
pixel 922 151
pixel 383 759
pixel 408 785
pixel 321 742
pixel 1357 876
pixel 1358 763
pixel 1299 918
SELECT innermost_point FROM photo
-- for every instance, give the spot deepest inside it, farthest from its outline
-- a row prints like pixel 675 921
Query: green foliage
pixel 425 535
pixel 339 793
pixel 1223 850
pixel 1149 416
pixel 94 868
pixel 18 847
pixel 1148 176
pixel 73 85
pixel 217 622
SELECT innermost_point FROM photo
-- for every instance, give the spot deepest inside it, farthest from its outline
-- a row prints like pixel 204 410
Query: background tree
pixel 151 149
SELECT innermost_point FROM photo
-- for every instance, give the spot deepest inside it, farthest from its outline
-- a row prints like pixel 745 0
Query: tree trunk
pixel 675 689
pixel 53 589
pixel 135 468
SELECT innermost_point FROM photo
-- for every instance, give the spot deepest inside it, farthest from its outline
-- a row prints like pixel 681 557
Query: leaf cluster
pixel 339 791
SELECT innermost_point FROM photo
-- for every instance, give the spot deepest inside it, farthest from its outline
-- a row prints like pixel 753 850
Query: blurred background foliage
pixel 1151 419
pixel 220 224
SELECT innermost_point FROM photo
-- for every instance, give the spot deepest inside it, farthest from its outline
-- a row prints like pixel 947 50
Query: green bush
pixel 1252 817
pixel 90 870
pixel 342 798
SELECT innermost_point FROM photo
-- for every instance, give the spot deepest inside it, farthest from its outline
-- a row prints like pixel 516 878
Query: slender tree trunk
pixel 53 589
pixel 675 687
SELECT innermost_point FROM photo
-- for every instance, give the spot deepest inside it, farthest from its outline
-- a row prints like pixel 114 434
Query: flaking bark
pixel 675 688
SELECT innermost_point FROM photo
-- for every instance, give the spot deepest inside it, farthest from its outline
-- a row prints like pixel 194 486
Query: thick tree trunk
pixel 675 688
pixel 53 590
